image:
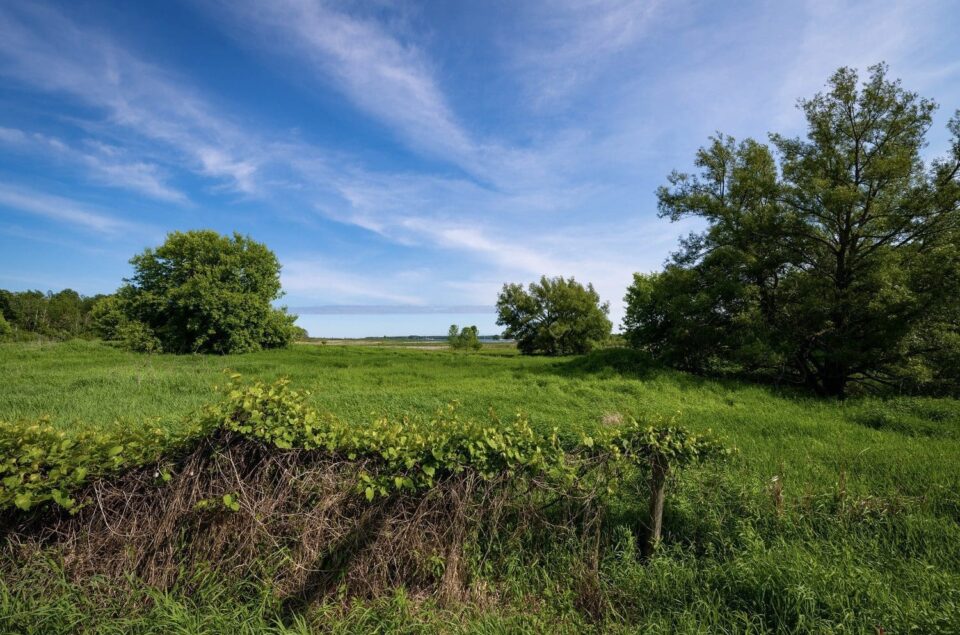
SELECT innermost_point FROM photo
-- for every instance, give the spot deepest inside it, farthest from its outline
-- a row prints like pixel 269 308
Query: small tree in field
pixel 556 316
pixel 203 292
pixel 465 339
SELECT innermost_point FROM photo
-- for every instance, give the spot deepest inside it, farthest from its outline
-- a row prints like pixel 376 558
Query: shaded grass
pixel 208 604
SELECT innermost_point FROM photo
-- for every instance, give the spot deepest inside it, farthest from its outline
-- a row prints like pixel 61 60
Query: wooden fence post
pixel 658 480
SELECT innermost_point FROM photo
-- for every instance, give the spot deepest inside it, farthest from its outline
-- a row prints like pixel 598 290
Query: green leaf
pixel 23 500
pixel 231 503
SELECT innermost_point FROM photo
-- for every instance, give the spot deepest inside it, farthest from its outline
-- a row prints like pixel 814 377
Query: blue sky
pixel 404 160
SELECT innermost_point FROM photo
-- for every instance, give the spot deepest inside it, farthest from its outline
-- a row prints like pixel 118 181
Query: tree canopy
pixel 828 259
pixel 203 292
pixel 556 316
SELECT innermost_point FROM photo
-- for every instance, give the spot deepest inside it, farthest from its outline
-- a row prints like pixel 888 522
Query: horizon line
pixel 393 309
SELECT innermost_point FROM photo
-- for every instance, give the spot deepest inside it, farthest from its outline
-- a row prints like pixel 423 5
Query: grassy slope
pixel 900 461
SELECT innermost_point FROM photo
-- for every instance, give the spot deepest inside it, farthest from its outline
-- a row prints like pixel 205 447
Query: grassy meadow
pixel 864 536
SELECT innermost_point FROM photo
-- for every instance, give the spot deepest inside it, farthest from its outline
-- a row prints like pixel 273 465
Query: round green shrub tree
pixel 556 316
pixel 200 292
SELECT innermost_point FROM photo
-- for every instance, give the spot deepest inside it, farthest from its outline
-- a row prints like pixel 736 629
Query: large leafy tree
pixel 838 263
pixel 203 292
pixel 556 316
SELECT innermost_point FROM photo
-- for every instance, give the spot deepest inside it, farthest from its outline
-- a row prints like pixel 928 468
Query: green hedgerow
pixel 41 463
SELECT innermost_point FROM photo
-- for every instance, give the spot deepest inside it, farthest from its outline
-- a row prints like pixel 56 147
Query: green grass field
pixel 869 535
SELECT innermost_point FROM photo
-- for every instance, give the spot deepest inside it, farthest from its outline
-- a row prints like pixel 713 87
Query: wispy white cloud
pixel 42 48
pixel 50 238
pixel 105 164
pixel 138 176
pixel 855 34
pixel 63 210
pixel 218 163
pixel 566 44
pixel 391 80
pixel 389 77
pixel 314 279
pixel 473 239
pixel 498 236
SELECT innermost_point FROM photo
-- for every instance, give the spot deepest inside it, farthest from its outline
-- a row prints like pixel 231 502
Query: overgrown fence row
pixel 262 484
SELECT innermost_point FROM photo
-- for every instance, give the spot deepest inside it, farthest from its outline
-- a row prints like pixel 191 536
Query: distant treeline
pixel 427 338
pixel 61 315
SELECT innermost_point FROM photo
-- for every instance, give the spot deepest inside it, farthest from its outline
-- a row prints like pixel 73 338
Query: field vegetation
pixel 830 515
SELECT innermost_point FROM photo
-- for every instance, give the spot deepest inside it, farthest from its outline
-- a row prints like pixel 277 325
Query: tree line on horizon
pixel 828 261
pixel 62 315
